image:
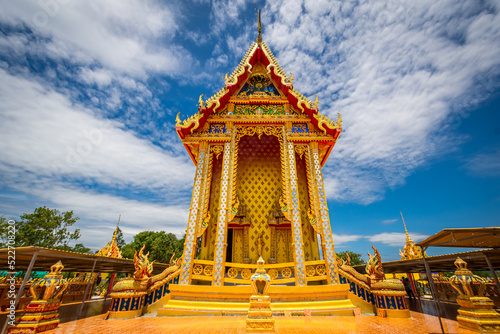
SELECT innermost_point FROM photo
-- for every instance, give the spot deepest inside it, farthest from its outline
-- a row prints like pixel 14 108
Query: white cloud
pixel 100 210
pixel 44 135
pixel 100 77
pixel 395 239
pixel 389 221
pixel 396 71
pixel 485 164
pixel 120 35
pixel 343 238
pixel 57 152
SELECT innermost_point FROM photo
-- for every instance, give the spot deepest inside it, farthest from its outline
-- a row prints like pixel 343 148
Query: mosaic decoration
pixel 204 215
pixel 259 109
pixel 295 214
pixel 329 254
pixel 258 85
pixel 218 278
pixel 217 128
pixel 192 222
pixel 300 128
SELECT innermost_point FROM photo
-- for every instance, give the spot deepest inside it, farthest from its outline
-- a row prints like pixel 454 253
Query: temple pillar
pixel 227 191
pixel 197 200
pixel 293 206
pixel 323 217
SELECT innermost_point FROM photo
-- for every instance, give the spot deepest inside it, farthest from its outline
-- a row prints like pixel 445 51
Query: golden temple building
pixel 259 147
pixel 258 240
pixel 411 250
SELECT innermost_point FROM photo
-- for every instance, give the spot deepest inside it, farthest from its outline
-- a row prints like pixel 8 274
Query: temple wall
pixel 208 241
pixel 259 186
pixel 311 250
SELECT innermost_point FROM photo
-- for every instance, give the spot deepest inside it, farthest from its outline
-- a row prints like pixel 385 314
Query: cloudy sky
pixel 89 91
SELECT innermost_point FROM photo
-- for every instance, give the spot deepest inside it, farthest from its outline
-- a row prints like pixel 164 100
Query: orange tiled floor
pixel 418 323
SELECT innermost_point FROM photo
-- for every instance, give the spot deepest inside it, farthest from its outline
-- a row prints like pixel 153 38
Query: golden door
pixel 238 246
pixel 283 245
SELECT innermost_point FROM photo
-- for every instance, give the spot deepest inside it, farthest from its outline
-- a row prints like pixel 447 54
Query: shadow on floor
pixel 449 310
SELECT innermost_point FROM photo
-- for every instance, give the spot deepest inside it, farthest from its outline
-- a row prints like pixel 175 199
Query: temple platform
pixel 195 300
pixel 418 323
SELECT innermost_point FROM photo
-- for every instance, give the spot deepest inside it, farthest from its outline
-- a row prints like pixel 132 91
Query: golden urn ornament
pixel 476 312
pixel 260 316
pixel 41 313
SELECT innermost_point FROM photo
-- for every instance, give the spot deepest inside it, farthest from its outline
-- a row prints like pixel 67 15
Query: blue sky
pixel 89 91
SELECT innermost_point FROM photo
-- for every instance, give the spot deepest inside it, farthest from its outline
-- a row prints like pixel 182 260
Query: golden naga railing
pixel 241 273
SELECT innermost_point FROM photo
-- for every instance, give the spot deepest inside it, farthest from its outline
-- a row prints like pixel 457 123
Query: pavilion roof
pixel 72 261
pixel 482 237
pixel 475 261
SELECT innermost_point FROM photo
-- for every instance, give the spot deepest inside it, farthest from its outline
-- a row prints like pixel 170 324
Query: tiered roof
pixel 258 58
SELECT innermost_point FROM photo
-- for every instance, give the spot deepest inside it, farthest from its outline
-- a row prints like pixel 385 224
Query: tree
pixel 80 248
pixel 355 257
pixel 160 245
pixel 44 228
pixel 120 241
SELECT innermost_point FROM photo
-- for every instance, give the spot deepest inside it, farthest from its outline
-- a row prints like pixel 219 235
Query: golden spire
pixel 116 230
pixel 410 251
pixel 259 28
pixel 111 249
pixel 404 224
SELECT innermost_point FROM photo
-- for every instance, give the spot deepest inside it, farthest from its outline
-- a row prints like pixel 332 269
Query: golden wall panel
pixel 259 187
pixel 311 250
pixel 208 242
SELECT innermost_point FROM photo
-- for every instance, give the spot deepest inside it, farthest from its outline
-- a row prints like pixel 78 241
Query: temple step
pixel 197 308
pixel 234 300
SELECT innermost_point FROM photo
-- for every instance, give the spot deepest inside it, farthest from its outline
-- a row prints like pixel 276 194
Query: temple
pixel 259 213
pixel 259 146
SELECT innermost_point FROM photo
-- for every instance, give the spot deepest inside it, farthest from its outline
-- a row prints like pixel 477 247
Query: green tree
pixel 120 241
pixel 80 248
pixel 355 257
pixel 160 245
pixel 44 228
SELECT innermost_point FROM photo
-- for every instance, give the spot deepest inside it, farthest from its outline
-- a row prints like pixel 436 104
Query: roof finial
pixel 259 28
pixel 116 229
pixel 406 231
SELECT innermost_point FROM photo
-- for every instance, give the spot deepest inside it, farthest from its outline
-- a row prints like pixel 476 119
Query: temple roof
pixel 259 59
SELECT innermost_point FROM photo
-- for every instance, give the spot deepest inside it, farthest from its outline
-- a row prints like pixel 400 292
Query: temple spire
pixel 259 28
pixel 116 230
pixel 404 224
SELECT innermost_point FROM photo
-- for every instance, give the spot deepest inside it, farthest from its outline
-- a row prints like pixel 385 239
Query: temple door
pixel 283 242
pixel 238 245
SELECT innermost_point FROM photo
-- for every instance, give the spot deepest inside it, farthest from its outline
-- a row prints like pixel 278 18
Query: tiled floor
pixel 418 323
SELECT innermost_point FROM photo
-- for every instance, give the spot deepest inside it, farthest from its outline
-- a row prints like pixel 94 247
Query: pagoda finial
pixel 404 224
pixel 117 227
pixel 259 28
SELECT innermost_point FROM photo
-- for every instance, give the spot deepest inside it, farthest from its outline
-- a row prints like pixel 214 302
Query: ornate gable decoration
pixel 261 90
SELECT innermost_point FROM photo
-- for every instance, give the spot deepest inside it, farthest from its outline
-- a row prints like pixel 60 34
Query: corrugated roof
pixel 72 262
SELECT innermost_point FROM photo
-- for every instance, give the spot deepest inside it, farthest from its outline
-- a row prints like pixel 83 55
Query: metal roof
pixel 475 261
pixel 72 262
pixel 485 237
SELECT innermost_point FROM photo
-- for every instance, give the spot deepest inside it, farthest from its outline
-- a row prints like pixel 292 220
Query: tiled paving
pixel 418 323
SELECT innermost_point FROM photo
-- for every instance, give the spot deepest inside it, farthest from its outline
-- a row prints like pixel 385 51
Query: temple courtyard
pixel 418 323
